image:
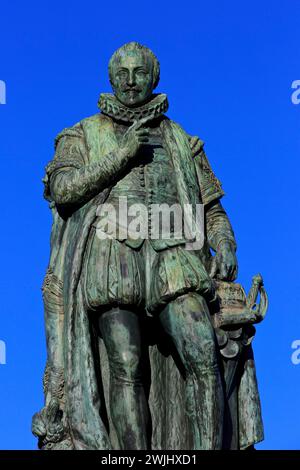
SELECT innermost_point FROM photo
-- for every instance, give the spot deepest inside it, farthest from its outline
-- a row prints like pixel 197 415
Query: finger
pixel 234 273
pixel 135 126
pixel 137 132
pixel 143 140
pixel 142 132
pixel 142 122
pixel 224 270
pixel 213 268
pixel 230 273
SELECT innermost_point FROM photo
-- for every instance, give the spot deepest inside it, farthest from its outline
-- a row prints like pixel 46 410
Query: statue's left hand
pixel 224 264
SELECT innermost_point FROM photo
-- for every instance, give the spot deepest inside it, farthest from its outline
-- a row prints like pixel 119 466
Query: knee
pixel 126 365
pixel 202 356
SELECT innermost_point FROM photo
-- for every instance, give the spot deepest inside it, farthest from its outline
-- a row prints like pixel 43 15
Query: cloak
pixel 76 380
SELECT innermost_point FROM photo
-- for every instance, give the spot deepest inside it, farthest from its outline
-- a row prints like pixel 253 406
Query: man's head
pixel 133 74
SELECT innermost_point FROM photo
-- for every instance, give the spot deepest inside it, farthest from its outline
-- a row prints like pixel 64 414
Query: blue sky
pixel 227 68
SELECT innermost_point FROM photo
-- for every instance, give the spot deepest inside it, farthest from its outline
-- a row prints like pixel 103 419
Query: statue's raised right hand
pixel 134 138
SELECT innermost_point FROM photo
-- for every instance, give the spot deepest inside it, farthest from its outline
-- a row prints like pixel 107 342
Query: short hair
pixel 135 46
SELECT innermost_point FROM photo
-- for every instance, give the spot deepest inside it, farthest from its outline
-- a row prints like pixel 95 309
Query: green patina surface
pixel 148 344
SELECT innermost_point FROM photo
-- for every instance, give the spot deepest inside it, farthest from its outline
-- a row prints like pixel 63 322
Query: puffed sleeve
pixel 218 226
pixel 71 178
pixel 210 186
pixel 70 152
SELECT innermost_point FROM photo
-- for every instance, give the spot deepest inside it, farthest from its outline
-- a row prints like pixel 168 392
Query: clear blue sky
pixel 227 67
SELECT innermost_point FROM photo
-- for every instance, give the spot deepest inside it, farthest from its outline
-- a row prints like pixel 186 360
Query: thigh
pixel 187 320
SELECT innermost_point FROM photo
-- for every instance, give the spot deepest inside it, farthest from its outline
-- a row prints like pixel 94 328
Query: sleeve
pixel 69 153
pixel 210 186
pixel 70 179
pixel 218 226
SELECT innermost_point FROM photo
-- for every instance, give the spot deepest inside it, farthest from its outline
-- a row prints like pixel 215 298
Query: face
pixel 132 79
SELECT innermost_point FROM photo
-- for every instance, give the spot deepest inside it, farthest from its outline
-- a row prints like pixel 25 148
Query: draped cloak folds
pixel 72 342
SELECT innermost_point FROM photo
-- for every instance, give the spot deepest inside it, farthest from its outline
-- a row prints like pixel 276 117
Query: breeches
pixel 115 274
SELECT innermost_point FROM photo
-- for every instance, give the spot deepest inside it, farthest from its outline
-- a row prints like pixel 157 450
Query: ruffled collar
pixel 110 106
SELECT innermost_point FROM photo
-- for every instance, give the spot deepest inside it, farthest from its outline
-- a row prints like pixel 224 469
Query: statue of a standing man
pixel 100 289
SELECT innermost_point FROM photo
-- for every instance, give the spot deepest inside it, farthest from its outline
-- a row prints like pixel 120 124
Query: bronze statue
pixel 148 339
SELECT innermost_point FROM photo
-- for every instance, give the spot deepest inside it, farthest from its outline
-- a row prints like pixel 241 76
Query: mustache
pixel 126 89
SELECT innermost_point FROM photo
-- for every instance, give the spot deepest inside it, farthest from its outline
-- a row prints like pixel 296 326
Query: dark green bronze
pixel 148 341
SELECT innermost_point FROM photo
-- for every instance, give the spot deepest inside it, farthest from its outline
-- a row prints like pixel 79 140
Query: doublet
pixel 143 272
